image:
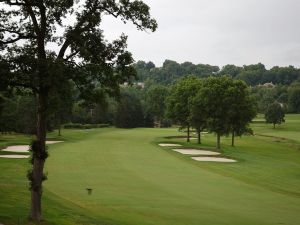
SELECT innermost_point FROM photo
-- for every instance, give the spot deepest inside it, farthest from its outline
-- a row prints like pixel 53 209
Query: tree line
pixel 278 84
pixel 135 106
pixel 252 74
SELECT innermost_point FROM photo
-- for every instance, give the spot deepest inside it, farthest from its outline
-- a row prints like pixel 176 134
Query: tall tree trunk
pixel 39 160
pixel 273 125
pixel 232 138
pixel 188 133
pixel 59 129
pixel 218 141
pixel 199 136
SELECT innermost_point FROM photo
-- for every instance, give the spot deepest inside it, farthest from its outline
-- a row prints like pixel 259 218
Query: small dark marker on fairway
pixel 89 190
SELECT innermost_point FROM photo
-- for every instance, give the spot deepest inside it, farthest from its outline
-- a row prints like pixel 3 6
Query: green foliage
pixel 215 100
pixel 222 105
pixel 18 114
pixel 129 112
pixel 275 114
pixel 265 96
pixel 242 107
pixel 252 74
pixel 61 102
pixel 155 101
pixel 178 108
pixel 294 97
pixel 231 70
pixel 171 71
pixel 36 154
pixel 143 69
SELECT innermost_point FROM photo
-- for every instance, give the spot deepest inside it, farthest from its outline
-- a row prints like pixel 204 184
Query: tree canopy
pixel 275 114
pixel 155 101
pixel 178 108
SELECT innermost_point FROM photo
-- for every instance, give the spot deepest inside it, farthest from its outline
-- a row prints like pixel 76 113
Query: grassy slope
pixel 136 182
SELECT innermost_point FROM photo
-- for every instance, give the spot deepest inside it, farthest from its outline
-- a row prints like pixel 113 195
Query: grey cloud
pixel 217 32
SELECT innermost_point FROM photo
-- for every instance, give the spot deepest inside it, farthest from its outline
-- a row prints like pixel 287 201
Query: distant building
pixel 137 84
pixel 267 85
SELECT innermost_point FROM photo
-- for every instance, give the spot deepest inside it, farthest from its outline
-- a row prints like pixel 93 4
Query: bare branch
pixel 33 17
pixel 20 37
pixel 71 55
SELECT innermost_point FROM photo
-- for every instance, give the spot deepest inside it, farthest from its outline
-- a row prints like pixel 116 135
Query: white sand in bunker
pixel 195 152
pixel 169 145
pixel 191 138
pixel 15 156
pixel 17 148
pixel 53 142
pixel 213 159
pixel 24 148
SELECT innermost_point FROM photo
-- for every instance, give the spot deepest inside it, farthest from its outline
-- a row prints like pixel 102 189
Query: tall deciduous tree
pixel 178 108
pixel 214 99
pixel 275 114
pixel 242 108
pixel 156 102
pixel 198 114
pixel 28 29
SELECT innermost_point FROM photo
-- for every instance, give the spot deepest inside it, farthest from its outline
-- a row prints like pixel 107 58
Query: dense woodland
pixel 143 102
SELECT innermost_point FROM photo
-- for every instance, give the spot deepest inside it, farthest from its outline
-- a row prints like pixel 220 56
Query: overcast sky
pixel 217 32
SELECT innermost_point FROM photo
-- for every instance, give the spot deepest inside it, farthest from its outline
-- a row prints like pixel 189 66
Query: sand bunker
pixel 213 159
pixel 15 156
pixel 53 142
pixel 17 148
pixel 195 152
pixel 169 145
pixel 25 148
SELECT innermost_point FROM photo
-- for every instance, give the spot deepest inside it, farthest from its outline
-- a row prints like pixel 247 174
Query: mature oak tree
pixel 30 33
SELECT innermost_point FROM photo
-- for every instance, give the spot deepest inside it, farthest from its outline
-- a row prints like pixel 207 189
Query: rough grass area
pixel 137 182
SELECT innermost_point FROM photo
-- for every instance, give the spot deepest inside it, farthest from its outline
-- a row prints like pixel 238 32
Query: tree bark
pixel 218 141
pixel 188 133
pixel 38 160
pixel 199 136
pixel 232 138
pixel 59 129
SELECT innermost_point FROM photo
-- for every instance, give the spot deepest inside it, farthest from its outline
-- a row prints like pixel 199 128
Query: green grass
pixel 289 130
pixel 136 182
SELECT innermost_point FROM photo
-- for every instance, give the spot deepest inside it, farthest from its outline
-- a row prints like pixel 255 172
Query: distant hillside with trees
pixel 278 84
pixel 253 75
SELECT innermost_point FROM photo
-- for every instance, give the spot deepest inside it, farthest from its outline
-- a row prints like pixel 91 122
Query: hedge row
pixel 84 126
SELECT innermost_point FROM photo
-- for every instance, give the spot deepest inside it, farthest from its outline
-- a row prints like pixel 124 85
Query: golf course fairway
pixel 136 182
